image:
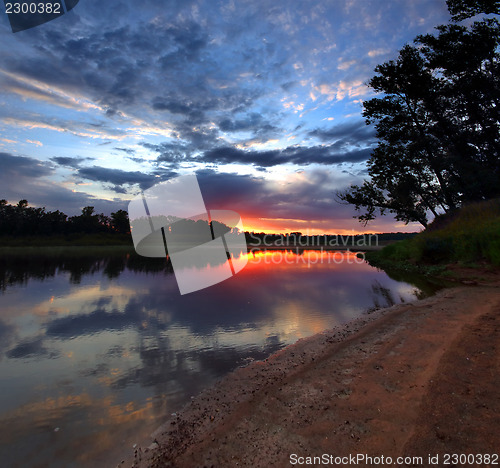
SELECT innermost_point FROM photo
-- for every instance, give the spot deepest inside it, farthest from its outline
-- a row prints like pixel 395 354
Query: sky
pixel 262 100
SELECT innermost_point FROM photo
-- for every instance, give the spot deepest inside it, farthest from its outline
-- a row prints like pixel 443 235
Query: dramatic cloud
pixel 204 61
pixel 354 147
pixel 299 155
pixel 304 196
pixel 305 201
pixel 253 122
pixel 69 161
pixel 350 133
pixel 28 178
pixel 20 167
pixel 116 176
pixel 30 349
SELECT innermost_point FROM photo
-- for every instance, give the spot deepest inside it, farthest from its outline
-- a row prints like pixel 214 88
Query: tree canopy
pixel 437 122
pixel 22 220
pixel 462 9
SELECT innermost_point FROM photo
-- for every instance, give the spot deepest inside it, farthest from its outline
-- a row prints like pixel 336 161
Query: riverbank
pixel 324 248
pixel 412 380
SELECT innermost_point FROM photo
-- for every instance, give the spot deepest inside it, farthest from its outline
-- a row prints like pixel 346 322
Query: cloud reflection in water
pixel 106 348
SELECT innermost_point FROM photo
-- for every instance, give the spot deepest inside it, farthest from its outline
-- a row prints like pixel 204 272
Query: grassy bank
pixel 66 252
pixel 469 236
pixel 101 239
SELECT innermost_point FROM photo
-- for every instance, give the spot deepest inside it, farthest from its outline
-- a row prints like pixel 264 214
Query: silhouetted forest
pixel 297 239
pixel 22 220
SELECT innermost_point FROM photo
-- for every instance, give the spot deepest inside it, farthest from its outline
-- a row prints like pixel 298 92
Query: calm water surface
pixel 97 353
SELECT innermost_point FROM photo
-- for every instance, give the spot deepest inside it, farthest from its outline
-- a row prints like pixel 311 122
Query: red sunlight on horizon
pixel 287 226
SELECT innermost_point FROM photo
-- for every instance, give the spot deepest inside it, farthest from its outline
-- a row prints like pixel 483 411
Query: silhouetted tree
pixel 89 222
pixel 120 222
pixel 462 9
pixel 437 123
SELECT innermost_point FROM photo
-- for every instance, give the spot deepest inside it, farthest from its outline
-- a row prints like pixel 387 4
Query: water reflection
pixel 96 351
pixel 19 269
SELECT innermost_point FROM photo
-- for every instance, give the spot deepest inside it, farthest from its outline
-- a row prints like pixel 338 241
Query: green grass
pixel 467 236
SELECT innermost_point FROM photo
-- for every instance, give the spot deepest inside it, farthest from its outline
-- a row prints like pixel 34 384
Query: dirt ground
pixel 413 380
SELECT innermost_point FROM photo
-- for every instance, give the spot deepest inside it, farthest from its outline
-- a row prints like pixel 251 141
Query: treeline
pixel 22 220
pixel 262 239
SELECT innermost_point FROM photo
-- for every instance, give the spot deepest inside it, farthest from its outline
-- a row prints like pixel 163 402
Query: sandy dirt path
pixel 412 380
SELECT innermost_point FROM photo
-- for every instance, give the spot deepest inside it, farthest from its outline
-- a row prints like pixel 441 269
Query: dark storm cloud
pixel 117 177
pixel 299 155
pixel 69 161
pixel 119 189
pixel 355 133
pixel 186 42
pixel 198 140
pixel 195 108
pixel 31 349
pixel 253 121
pixel 175 107
pixel 22 177
pixel 115 65
pixel 349 149
pixel 218 188
pixel 15 167
pixel 172 154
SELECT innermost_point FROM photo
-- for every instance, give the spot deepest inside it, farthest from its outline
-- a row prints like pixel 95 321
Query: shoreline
pixel 321 248
pixel 335 392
